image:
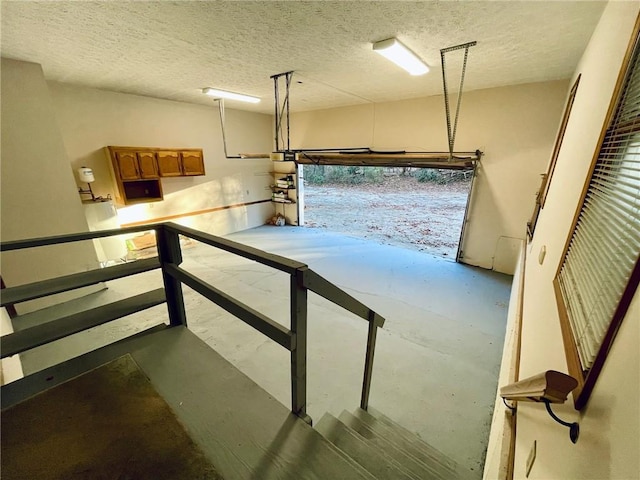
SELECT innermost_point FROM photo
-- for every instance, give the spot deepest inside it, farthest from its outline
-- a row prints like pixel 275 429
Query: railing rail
pixel 73 237
pixel 302 279
pixel 335 294
pixel 276 261
pixel 257 320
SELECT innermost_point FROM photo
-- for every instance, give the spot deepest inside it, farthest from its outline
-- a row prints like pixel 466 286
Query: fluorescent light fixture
pixel 399 54
pixel 214 92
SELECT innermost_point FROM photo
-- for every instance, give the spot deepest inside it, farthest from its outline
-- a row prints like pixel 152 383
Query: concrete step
pixel 409 442
pixel 408 461
pixel 369 456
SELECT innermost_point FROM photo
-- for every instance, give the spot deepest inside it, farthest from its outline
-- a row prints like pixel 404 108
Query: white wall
pixel 515 126
pixel 609 443
pixel 91 119
pixel 10 367
pixel 39 195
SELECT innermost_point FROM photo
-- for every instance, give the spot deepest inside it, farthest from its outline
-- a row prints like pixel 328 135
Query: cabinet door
pixel 192 163
pixel 128 165
pixel 169 164
pixel 147 165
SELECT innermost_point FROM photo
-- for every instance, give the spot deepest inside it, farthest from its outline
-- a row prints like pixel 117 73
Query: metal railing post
pixel 368 362
pixel 299 353
pixel 169 252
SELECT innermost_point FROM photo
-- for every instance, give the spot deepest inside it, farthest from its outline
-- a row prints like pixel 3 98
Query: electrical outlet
pixel 531 458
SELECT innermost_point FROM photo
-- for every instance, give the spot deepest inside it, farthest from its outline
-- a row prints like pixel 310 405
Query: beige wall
pixel 515 126
pixel 39 195
pixel 91 119
pixel 610 424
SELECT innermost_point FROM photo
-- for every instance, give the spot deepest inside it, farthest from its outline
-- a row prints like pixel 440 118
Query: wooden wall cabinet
pixel 192 162
pixel 127 165
pixel 183 163
pixel 137 170
pixel 169 164
pixel 147 165
pixel 136 165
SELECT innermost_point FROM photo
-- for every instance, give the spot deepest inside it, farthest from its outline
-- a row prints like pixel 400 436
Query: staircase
pixel 244 431
pixel 385 449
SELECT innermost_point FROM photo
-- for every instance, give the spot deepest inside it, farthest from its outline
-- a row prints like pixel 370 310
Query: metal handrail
pixel 302 279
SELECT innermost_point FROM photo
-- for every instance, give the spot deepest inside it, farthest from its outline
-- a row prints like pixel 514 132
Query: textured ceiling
pixel 173 49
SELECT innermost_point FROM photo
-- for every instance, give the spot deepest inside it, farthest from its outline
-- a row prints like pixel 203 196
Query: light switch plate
pixel 542 254
pixel 531 458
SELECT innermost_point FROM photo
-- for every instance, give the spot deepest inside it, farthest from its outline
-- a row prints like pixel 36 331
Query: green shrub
pixel 432 175
pixel 334 174
pixel 442 177
pixel 352 175
pixel 314 174
pixel 374 174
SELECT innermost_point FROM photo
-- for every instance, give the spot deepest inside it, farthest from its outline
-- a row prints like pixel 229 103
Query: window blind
pixel 605 245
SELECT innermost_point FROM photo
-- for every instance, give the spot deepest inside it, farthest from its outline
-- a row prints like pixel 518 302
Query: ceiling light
pixel 399 54
pixel 214 92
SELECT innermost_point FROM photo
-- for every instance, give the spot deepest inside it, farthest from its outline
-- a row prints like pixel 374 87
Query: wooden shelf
pixel 142 190
pixel 286 171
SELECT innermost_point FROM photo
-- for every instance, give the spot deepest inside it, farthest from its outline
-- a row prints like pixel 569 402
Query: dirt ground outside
pixel 400 211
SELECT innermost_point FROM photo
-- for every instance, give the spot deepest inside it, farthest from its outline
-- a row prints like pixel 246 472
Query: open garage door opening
pixel 416 208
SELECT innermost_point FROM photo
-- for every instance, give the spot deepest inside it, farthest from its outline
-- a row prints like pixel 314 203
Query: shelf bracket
pixel 574 428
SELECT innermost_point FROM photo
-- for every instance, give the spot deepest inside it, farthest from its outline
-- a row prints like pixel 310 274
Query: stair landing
pixel 242 430
pixel 245 432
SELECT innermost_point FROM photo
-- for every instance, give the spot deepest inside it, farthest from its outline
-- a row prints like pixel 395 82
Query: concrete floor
pixel 437 358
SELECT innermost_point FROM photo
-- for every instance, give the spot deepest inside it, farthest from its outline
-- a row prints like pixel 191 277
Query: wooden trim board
pixel 194 213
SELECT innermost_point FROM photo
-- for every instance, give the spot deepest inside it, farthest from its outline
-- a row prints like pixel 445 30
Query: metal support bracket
pixel 282 112
pixel 574 428
pixel 222 123
pixel 451 134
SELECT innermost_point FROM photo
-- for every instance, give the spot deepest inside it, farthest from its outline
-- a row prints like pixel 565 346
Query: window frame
pixel 546 182
pixel 587 379
pixel 541 195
